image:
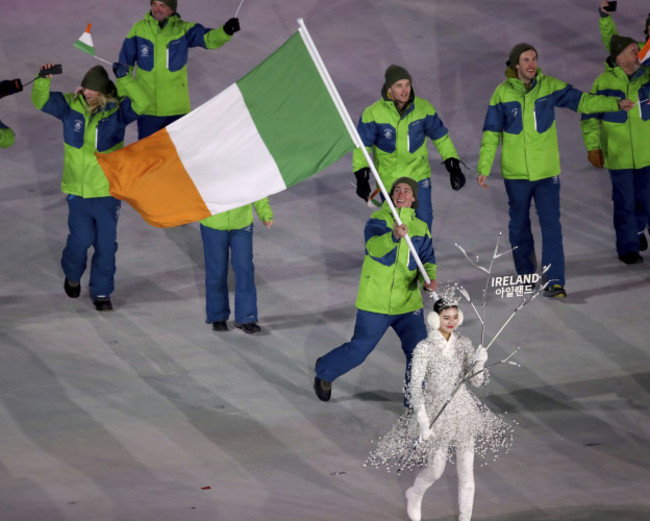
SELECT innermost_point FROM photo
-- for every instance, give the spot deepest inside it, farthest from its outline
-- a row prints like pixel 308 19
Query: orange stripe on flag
pixel 644 53
pixel 152 178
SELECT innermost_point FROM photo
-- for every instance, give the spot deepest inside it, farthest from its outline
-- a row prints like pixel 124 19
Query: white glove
pixel 423 423
pixel 480 356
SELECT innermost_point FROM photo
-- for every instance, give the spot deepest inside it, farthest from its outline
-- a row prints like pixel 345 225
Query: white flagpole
pixel 102 60
pixel 238 8
pixel 354 134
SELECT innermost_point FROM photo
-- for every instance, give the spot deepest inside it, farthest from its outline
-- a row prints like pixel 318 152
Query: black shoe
pixel 323 389
pixel 70 289
pixel 103 304
pixel 250 327
pixel 632 257
pixel 643 242
pixel 220 326
pixel 555 291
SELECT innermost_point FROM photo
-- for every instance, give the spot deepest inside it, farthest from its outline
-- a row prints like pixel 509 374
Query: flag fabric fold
pixel 272 129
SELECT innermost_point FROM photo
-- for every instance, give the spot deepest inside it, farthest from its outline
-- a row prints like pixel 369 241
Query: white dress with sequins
pixel 466 423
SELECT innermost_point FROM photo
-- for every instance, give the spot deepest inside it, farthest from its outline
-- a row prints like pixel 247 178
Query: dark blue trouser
pixel 630 194
pixel 424 211
pixel 217 244
pixel 92 222
pixel 368 330
pixel 546 193
pixel 148 125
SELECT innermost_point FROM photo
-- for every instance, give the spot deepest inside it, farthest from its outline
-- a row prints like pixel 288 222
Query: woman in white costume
pixel 465 427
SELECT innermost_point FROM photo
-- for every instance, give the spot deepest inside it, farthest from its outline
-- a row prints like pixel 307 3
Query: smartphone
pixel 611 6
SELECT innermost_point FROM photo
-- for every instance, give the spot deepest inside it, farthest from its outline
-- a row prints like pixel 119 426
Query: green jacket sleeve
pixel 489 145
pixel 40 92
pixel 216 38
pixel 590 133
pixel 263 210
pixel 492 136
pixel 130 87
pixel 607 30
pixel 445 147
pixel 359 160
pixel 380 245
pixel 592 103
pixel 590 127
pixel 7 136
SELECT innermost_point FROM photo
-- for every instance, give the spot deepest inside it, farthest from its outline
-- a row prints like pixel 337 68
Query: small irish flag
pixel 85 42
pixel 272 129
pixel 644 54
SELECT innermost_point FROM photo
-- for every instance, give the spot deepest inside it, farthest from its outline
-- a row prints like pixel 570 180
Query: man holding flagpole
pixel 157 48
pixel 389 294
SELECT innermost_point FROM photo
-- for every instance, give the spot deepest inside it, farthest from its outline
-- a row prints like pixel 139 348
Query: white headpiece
pixel 448 299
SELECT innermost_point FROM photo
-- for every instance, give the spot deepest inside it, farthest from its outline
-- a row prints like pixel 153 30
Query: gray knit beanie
pixel 97 79
pixel 172 4
pixel 395 73
pixel 617 44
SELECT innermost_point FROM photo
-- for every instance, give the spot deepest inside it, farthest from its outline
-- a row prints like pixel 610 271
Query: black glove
pixel 456 176
pixel 9 87
pixel 231 26
pixel 120 69
pixel 363 183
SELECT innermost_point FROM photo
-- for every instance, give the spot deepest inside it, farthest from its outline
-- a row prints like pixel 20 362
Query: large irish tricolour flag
pixel 273 128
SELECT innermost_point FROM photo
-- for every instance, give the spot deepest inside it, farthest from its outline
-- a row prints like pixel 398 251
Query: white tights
pixel 432 472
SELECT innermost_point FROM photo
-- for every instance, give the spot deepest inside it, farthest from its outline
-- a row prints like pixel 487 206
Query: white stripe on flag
pixel 246 171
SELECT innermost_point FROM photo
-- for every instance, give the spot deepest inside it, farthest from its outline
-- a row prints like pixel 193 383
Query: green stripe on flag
pixel 85 47
pixel 294 112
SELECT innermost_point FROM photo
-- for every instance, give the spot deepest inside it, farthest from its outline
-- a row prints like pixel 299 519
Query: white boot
pixel 427 477
pixel 465 469
pixel 414 503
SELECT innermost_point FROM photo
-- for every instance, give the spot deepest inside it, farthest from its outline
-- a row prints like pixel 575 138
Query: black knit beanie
pixel 97 79
pixel 617 44
pixel 412 183
pixel 517 51
pixel 395 73
pixel 172 4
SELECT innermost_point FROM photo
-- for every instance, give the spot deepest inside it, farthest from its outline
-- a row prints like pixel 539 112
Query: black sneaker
pixel 630 258
pixel 72 289
pixel 643 242
pixel 250 328
pixel 220 326
pixel 103 304
pixel 555 291
pixel 323 389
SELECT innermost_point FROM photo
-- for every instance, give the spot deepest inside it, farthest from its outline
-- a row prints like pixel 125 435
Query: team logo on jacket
pixel 78 125
pixel 388 133
pixel 515 112
pixel 144 50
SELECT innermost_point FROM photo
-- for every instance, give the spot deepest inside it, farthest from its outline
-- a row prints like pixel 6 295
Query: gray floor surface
pixel 147 414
